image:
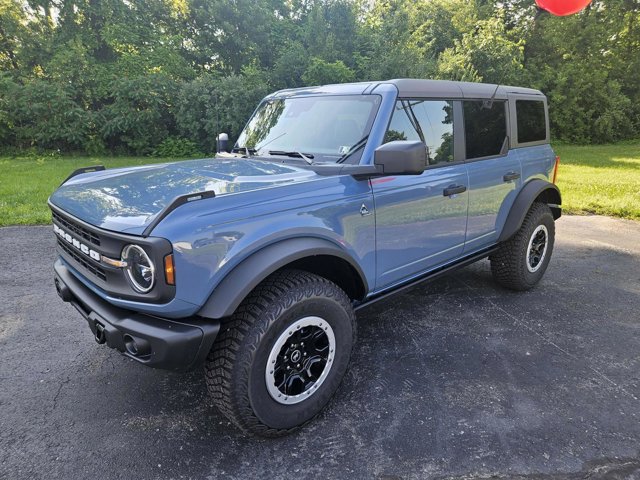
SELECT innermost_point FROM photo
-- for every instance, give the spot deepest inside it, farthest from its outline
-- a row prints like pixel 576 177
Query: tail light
pixel 555 170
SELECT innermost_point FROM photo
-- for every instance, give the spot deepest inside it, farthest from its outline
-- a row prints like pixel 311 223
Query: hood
pixel 130 198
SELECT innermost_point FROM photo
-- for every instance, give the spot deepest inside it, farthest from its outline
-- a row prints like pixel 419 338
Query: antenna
pixel 488 104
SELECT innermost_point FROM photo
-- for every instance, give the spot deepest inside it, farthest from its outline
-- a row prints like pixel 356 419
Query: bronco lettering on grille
pixel 76 243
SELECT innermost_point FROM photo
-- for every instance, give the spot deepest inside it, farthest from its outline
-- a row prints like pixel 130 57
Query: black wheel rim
pixel 537 248
pixel 300 360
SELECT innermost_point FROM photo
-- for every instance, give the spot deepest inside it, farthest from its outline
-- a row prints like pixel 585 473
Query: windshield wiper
pixel 246 150
pixel 305 156
pixel 354 148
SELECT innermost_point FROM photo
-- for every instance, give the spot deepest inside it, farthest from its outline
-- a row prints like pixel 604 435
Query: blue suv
pixel 253 263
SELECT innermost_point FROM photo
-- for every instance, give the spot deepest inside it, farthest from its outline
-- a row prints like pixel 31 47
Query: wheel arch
pixel 536 190
pixel 314 255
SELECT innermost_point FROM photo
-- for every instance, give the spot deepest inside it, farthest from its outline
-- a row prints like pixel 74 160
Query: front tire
pixel 521 261
pixel 281 356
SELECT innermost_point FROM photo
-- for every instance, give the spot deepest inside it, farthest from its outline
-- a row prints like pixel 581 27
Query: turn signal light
pixel 169 272
pixel 555 169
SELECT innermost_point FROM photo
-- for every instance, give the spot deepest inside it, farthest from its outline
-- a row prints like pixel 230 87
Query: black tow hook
pixel 63 291
pixel 136 347
pixel 100 337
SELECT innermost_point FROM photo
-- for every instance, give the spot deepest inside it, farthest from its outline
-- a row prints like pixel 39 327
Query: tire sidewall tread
pixel 509 263
pixel 235 367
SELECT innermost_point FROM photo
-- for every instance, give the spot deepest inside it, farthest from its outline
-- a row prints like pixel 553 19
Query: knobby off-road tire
pixel 290 306
pixel 521 261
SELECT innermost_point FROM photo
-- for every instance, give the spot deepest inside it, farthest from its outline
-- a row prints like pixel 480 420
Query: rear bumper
pixel 153 341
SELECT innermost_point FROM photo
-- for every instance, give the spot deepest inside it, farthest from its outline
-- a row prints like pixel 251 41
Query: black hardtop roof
pixel 410 87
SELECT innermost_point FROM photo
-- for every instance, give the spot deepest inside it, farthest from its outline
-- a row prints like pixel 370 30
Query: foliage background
pixel 163 77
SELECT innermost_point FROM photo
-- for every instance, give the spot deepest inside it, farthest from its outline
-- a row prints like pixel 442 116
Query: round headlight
pixel 140 269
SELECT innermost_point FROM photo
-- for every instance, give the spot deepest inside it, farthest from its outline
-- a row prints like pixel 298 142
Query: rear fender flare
pixel 239 282
pixel 533 190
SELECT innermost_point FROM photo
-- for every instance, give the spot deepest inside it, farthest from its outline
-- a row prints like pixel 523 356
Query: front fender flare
pixel 532 191
pixel 239 282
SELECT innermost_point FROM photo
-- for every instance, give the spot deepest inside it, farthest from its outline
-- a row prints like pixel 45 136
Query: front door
pixel 421 219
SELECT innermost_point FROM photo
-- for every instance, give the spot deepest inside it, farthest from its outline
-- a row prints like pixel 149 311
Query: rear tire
pixel 521 261
pixel 281 356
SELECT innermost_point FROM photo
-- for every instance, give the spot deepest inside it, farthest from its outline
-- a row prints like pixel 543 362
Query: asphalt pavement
pixel 454 379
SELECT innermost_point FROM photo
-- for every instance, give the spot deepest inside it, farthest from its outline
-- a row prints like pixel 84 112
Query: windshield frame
pixel 319 157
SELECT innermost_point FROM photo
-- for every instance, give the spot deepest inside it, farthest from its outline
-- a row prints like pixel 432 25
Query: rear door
pixel 495 175
pixel 421 219
pixel 530 136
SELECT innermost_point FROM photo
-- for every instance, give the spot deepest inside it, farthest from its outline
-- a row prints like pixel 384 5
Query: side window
pixel 428 121
pixel 485 128
pixel 532 125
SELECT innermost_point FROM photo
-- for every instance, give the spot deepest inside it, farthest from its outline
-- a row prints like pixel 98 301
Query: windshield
pixel 324 128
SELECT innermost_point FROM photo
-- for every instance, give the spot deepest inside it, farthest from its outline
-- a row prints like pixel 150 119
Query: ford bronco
pixel 333 197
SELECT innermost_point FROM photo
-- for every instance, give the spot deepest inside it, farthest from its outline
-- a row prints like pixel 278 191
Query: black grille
pixel 113 281
pixel 97 271
pixel 79 230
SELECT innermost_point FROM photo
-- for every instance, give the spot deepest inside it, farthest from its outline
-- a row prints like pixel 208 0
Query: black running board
pixel 432 275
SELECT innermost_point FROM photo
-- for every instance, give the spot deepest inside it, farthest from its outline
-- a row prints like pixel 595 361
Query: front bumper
pixel 153 341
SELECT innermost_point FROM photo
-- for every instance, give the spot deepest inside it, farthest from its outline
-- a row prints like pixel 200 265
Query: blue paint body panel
pixel 417 227
pixel 128 199
pixel 393 228
pixel 490 198
pixel 220 237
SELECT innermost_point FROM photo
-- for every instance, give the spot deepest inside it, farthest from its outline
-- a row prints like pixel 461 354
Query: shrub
pixel 320 72
pixel 177 147
pixel 44 115
pixel 210 105
pixel 141 114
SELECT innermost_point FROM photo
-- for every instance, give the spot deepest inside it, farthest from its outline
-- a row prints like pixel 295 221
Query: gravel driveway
pixel 458 378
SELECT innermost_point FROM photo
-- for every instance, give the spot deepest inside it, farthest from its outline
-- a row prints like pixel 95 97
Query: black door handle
pixel 511 176
pixel 453 190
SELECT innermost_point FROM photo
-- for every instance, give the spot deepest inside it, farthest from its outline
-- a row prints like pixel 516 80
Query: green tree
pixel 487 53
pixel 141 113
pixel 44 114
pixel 321 72
pixel 210 105
pixel 128 75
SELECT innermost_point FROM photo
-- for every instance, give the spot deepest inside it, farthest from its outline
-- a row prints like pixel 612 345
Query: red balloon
pixel 563 7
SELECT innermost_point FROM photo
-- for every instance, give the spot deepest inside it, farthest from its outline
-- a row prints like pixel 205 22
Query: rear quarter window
pixel 532 125
pixel 485 128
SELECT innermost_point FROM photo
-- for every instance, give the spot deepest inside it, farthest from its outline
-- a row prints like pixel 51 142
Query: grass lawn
pixel 601 179
pixel 27 182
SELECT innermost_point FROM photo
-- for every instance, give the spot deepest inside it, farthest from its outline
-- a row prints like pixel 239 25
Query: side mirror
pixel 401 157
pixel 222 141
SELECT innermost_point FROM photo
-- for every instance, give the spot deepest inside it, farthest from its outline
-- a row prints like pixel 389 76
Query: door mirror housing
pixel 401 157
pixel 222 143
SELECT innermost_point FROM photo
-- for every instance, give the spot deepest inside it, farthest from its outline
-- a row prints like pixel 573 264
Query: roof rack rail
pixel 175 203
